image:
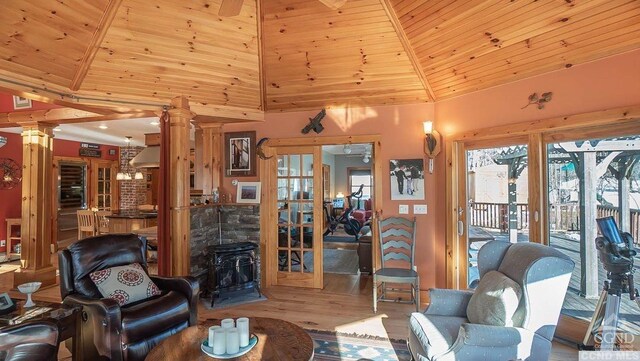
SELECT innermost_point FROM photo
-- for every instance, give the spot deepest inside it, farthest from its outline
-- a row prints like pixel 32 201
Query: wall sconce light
pixel 431 142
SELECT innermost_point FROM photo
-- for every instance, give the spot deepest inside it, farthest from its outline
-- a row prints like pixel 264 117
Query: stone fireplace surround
pixel 240 223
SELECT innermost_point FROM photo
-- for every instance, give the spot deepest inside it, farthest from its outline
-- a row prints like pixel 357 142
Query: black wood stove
pixel 233 268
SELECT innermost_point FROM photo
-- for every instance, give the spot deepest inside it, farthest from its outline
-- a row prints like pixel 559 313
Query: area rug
pixel 236 299
pixel 340 239
pixel 330 345
pixel 342 261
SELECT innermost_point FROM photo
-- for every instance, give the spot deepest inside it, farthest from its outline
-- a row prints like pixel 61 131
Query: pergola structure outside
pixel 592 159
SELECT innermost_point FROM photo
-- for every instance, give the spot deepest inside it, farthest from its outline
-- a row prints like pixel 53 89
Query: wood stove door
pixel 297 244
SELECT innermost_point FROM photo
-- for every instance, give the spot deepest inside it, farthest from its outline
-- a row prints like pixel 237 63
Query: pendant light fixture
pixel 126 172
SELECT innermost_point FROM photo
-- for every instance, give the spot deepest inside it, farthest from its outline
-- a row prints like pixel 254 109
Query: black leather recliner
pixel 129 332
pixel 29 341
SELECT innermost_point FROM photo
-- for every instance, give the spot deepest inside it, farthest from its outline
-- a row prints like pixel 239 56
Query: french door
pixel 297 251
pixel 103 186
pixel 493 200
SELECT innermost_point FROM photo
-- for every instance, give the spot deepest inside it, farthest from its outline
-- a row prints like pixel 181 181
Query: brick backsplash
pixel 133 192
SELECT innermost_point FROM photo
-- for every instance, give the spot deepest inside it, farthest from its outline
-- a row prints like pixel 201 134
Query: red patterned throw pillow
pixel 125 284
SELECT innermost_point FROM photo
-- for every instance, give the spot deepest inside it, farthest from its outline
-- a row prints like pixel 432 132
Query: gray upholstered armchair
pixel 511 315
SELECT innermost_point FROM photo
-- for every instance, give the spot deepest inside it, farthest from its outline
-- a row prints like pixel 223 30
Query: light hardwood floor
pixel 343 305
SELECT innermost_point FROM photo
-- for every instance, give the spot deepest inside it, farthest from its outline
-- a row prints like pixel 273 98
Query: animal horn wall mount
pixel 259 150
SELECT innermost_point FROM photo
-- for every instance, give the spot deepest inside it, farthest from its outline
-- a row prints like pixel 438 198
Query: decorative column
pixel 37 160
pixel 588 177
pixel 180 117
pixel 208 156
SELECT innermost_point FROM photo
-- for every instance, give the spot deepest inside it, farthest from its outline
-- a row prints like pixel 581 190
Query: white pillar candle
pixel 233 340
pixel 211 332
pixel 243 330
pixel 228 323
pixel 219 341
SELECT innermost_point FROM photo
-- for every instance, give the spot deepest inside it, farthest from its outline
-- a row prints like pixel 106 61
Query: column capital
pixel 216 127
pixel 38 125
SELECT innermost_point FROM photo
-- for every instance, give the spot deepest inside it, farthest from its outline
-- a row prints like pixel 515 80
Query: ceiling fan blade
pixel 230 7
pixel 334 4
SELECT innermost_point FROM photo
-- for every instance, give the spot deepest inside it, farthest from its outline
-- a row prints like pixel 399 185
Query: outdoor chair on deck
pixel 397 237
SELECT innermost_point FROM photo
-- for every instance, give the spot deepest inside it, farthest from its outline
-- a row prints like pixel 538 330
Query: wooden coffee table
pixel 277 340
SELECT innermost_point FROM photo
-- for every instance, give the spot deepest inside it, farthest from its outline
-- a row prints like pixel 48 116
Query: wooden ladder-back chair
pixel 86 224
pixel 102 222
pixel 397 236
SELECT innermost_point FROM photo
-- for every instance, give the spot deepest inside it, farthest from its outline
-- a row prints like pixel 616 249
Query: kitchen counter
pixel 133 213
pixel 127 221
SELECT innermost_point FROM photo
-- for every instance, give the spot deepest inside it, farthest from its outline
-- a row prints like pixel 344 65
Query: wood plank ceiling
pixel 468 45
pixel 301 54
pixel 316 57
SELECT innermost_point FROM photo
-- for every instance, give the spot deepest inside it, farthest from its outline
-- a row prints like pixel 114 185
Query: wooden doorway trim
pixel 268 217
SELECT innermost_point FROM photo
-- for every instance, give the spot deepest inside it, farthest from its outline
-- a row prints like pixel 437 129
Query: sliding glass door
pixel 588 179
pixel 497 196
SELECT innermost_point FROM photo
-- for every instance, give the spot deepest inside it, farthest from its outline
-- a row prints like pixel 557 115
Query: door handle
pixel 460 228
pixel 536 216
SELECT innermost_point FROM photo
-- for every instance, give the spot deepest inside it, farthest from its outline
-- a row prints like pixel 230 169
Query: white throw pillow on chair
pixel 495 301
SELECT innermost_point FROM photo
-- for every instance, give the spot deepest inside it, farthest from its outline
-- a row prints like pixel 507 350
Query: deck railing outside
pixel 563 217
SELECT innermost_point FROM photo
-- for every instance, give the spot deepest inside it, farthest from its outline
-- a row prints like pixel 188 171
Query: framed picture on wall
pixel 21 103
pixel 240 154
pixel 407 179
pixel 248 192
pixel 6 304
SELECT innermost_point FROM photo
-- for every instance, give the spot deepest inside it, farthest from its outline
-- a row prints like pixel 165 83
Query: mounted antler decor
pixel 534 99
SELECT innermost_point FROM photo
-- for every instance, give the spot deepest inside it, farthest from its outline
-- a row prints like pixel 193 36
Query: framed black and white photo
pixel 407 179
pixel 248 192
pixel 21 103
pixel 240 155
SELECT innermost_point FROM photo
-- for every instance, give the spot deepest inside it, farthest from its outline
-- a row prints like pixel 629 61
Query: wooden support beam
pixel 261 60
pixel 209 155
pixel 334 4
pixel 397 26
pixel 624 210
pixel 614 117
pixel 587 174
pixel 180 124
pixel 53 94
pixel 66 116
pixel 512 209
pixel 95 42
pixel 225 113
pixel 230 7
pixel 37 159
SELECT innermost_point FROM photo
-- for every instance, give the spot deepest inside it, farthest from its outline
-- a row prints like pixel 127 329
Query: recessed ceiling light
pixel 102 126
pixel 57 129
pixel 156 123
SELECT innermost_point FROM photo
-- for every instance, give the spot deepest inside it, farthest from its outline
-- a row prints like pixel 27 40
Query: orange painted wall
pixel 402 138
pixel 599 85
pixel 607 83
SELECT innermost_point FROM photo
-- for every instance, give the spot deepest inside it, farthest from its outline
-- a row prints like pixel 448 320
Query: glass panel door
pixel 497 195
pixel 299 221
pixel 103 185
pixel 588 179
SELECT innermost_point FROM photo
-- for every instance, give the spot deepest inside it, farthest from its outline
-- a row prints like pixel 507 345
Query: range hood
pixel 149 157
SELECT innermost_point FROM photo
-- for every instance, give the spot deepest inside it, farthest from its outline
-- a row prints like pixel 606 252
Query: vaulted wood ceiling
pixel 301 54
